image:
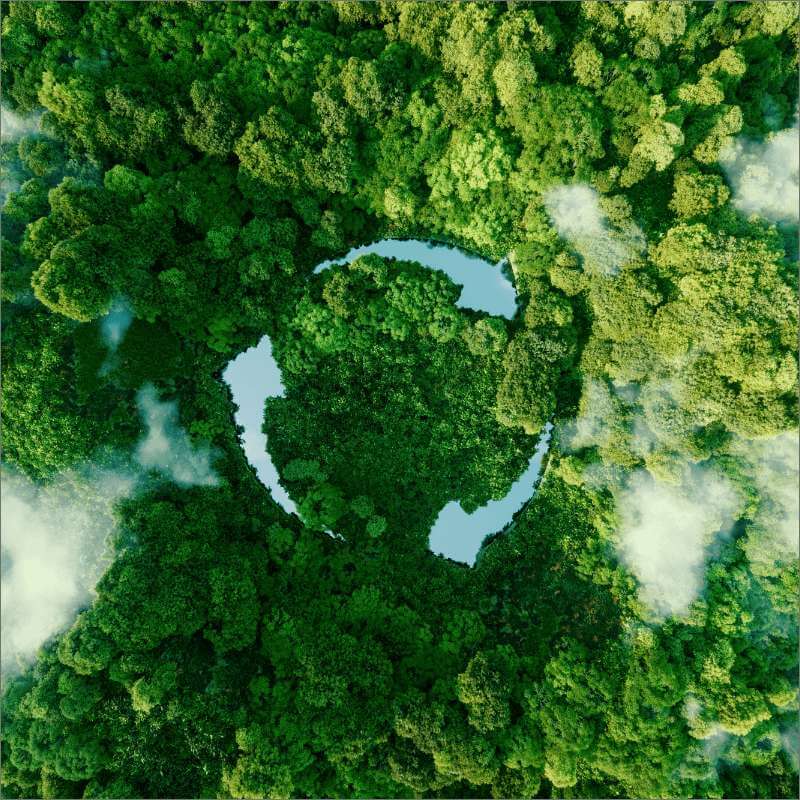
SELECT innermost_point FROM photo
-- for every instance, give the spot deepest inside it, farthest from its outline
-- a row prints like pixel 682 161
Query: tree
pixel 484 688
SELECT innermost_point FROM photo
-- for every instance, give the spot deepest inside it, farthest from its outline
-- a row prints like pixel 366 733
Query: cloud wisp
pixel 115 324
pixel 672 509
pixel 113 328
pixel 764 175
pixel 771 464
pixel 14 126
pixel 56 536
pixel 166 447
pixel 55 547
pixel 576 213
pixel 665 531
pixel 775 462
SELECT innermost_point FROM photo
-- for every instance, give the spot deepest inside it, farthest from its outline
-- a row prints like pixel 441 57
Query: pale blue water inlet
pixel 485 286
pixel 459 535
pixel 253 376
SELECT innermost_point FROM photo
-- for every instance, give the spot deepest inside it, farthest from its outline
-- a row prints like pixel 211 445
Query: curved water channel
pixel 254 375
pixel 485 286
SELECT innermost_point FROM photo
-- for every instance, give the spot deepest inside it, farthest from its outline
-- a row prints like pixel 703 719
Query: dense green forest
pixel 182 167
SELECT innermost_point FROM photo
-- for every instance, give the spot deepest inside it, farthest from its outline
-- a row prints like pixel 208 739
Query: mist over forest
pixel 172 177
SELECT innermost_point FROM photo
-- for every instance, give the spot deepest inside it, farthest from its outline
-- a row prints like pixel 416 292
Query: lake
pixel 459 535
pixel 254 375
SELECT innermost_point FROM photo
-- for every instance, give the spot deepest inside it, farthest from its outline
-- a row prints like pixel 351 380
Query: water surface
pixel 486 288
pixel 254 375
pixel 459 535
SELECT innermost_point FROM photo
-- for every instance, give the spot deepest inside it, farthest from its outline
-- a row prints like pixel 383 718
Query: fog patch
pixel 772 462
pixel 166 447
pixel 614 419
pixel 770 465
pixel 711 747
pixel 9 183
pixel 670 510
pixel 771 111
pixel 115 324
pixel 599 422
pixel 790 742
pixel 576 213
pixel 14 126
pixel 764 175
pixel 715 746
pixel 672 505
pixel 691 708
pixel 665 530
pixel 113 328
pixel 56 537
pixel 55 547
pixel 700 726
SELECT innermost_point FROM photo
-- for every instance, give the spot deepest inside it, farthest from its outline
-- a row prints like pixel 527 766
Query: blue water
pixel 459 535
pixel 254 375
pixel 485 287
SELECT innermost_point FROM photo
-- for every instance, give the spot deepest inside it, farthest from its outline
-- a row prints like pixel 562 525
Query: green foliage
pixel 387 336
pixel 199 160
pixel 47 423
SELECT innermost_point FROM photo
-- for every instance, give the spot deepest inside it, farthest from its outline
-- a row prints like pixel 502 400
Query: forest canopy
pixel 172 172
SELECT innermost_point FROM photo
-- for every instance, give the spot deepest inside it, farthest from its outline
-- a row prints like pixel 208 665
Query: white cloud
pixel 764 175
pixel 577 215
pixel 166 446
pixel 113 328
pixel 664 532
pixel 14 126
pixel 55 537
pixel 54 550
pixel 115 324
pixel 773 465
pixel 670 509
pixel 575 211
